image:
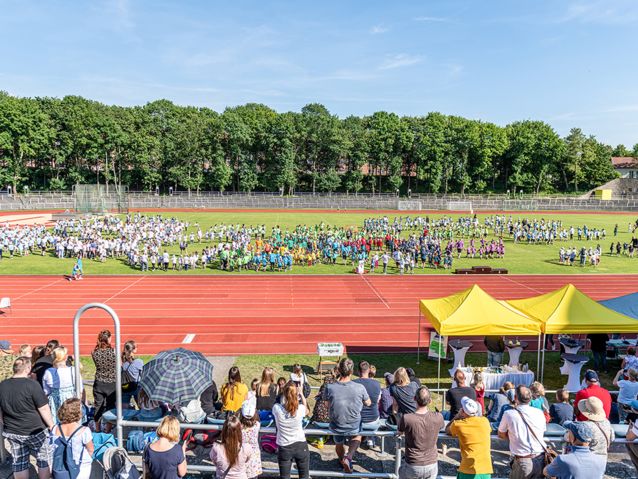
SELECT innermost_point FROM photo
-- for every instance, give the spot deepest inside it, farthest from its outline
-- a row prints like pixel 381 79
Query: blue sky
pixel 570 63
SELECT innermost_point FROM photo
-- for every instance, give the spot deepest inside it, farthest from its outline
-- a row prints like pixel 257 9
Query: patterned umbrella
pixel 176 376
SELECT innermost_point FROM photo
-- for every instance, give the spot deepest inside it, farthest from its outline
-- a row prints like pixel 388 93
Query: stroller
pixel 117 464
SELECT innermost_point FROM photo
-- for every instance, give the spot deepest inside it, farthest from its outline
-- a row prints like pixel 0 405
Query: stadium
pixel 237 283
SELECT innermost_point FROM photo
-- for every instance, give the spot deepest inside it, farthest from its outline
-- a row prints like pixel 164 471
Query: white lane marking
pixel 188 339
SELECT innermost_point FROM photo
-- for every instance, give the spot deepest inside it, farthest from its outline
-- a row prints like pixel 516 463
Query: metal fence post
pixel 397 454
pixel 118 359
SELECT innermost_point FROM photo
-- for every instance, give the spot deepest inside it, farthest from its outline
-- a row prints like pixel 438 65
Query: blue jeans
pixel 371 426
pixel 494 359
pixel 408 471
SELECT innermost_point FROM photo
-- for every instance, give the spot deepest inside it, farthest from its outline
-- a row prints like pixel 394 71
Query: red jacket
pixel 593 390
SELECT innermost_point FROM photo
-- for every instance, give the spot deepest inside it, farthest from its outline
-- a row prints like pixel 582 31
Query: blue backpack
pixel 64 467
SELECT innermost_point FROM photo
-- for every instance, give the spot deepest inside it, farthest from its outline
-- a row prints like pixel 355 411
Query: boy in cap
pixel 473 431
pixel 580 462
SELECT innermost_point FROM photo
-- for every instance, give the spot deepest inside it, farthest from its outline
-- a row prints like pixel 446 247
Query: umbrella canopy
pixel 176 376
pixel 627 304
pixel 473 312
pixel 570 311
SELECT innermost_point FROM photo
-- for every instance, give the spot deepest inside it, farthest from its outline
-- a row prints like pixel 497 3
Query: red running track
pixel 260 314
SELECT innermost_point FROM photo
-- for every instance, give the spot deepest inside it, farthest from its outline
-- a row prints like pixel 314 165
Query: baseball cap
pixel 249 407
pixel 470 406
pixel 591 375
pixel 389 377
pixel 581 431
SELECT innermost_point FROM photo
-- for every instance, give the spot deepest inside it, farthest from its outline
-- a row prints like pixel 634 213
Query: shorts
pixel 21 447
pixel 344 438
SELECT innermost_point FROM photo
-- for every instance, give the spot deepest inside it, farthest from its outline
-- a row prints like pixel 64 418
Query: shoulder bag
pixel 549 452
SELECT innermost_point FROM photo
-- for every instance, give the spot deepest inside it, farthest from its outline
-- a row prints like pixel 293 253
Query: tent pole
pixel 538 355
pixel 438 382
pixel 418 341
pixel 543 359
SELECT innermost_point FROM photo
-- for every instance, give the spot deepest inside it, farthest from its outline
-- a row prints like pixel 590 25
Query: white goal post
pixel 460 206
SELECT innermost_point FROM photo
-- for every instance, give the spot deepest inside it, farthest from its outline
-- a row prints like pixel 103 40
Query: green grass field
pixel 519 258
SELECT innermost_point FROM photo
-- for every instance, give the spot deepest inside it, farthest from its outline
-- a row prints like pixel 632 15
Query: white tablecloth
pixel 495 380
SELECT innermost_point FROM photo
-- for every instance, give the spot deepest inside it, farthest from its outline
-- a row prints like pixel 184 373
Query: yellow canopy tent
pixel 474 312
pixel 570 311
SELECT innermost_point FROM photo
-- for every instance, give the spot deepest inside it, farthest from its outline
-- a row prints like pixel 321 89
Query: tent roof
pixel 568 310
pixel 627 304
pixel 473 312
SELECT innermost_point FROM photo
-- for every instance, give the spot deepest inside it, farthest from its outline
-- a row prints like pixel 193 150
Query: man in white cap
pixel 473 431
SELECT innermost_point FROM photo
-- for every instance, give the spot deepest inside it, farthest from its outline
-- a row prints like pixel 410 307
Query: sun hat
pixel 581 431
pixel 592 409
pixel 591 375
pixel 470 406
pixel 249 407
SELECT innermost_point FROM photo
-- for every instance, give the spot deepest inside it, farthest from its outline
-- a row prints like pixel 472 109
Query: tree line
pixel 52 144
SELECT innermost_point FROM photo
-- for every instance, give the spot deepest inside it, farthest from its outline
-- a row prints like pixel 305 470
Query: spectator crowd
pixel 44 416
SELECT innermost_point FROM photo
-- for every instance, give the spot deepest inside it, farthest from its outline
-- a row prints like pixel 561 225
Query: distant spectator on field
pixel 26 418
pixel 233 392
pixel 403 391
pixel 454 395
pixel 347 400
pixel 593 389
pixel 598 344
pixel 473 432
pixel 421 429
pixel 561 410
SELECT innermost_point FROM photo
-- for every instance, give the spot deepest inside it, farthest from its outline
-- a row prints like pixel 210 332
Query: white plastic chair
pixel 5 303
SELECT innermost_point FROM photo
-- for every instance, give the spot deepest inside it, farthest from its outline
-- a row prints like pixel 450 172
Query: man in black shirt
pixel 495 348
pixel 454 395
pixel 26 418
pixel 598 344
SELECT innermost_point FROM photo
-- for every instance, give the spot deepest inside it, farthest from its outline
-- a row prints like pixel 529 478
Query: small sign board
pixel 330 349
pixel 438 346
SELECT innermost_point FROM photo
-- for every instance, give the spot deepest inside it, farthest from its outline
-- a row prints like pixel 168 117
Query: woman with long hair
pixel 165 458
pixel 403 391
pixel 59 381
pixel 233 392
pixel 229 454
pixel 291 440
pixel 131 371
pixel 267 390
pixel 104 386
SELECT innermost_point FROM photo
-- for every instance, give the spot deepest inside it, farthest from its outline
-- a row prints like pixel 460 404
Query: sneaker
pixel 346 463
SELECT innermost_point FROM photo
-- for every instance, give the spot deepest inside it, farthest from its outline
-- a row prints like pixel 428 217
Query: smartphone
pixel 186 439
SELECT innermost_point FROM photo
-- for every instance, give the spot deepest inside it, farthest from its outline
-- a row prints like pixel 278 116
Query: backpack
pixel 268 443
pixel 63 465
pixel 101 442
